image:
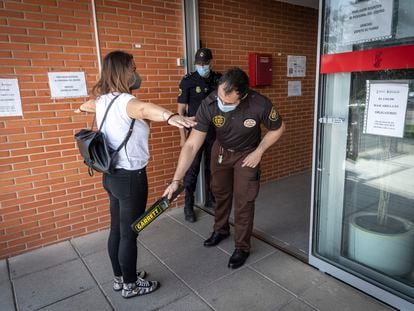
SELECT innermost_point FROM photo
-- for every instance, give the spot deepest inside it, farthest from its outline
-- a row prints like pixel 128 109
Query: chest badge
pixel 198 89
pixel 249 122
pixel 273 116
pixel 219 120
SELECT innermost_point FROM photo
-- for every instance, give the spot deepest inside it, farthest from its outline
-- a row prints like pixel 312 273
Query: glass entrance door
pixel 363 207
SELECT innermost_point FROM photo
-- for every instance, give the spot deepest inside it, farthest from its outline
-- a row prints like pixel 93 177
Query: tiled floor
pixel 76 275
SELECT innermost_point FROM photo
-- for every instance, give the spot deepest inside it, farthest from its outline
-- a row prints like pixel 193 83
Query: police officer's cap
pixel 203 55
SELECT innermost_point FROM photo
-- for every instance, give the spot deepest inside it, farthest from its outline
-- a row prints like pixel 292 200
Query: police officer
pixel 194 87
pixel 236 112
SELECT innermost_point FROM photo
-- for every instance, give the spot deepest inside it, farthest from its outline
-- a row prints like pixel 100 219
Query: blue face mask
pixel 203 70
pixel 225 108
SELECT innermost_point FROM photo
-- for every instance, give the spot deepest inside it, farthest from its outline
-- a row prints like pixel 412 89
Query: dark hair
pixel 235 79
pixel 116 74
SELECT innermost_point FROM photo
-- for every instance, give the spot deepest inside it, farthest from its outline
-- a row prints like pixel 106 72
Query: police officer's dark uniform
pixel 193 89
pixel 238 133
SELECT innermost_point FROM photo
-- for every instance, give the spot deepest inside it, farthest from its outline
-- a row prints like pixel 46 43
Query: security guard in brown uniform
pixel 237 113
pixel 194 87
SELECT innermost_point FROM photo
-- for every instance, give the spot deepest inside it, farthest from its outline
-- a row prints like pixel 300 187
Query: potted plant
pixel 379 240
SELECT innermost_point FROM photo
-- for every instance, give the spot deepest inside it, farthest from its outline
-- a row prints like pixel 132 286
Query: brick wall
pixel 46 195
pixel 232 29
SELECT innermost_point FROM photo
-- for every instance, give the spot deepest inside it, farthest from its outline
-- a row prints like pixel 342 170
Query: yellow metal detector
pixel 154 211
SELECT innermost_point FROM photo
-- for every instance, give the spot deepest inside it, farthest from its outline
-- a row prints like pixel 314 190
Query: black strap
pixel 131 127
pixel 107 110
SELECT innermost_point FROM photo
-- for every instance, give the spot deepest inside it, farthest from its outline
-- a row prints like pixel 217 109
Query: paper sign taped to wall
pixel 10 101
pixel 67 84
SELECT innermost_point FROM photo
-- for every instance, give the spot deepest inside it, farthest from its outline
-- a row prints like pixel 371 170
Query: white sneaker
pixel 118 281
pixel 139 288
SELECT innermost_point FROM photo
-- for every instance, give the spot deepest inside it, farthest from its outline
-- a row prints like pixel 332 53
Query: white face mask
pixel 225 108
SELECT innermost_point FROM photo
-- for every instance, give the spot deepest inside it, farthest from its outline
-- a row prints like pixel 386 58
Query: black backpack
pixel 96 153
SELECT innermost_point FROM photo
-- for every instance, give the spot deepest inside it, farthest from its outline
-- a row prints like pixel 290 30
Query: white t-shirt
pixel 116 127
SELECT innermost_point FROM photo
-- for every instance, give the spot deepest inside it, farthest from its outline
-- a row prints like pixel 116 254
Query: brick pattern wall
pixel 233 29
pixel 46 194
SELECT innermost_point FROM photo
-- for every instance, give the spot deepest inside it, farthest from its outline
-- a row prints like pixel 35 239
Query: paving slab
pixel 167 238
pixel 203 226
pixel 90 300
pixel 4 271
pixel 245 290
pixel 172 289
pixel 6 296
pixel 91 243
pixel 199 266
pixel 42 288
pixel 289 272
pixel 187 303
pixel 296 305
pixel 335 295
pixel 41 258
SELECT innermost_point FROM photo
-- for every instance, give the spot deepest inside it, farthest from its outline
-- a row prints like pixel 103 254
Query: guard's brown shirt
pixel 239 129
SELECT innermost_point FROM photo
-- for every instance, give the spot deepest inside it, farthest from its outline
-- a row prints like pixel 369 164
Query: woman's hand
pixel 181 122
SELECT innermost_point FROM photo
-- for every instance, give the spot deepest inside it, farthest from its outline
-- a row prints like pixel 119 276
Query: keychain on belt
pixel 220 157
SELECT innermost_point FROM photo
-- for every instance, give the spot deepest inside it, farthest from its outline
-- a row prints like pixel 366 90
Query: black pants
pixel 128 193
pixel 190 178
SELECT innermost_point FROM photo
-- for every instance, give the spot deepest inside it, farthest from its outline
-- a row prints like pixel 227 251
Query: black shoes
pixel 238 258
pixel 215 239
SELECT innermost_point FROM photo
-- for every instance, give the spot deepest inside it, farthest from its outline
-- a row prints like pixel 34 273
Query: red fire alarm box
pixel 260 69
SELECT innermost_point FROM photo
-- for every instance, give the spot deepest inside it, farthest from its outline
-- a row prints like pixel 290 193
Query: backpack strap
pixel 128 135
pixel 106 112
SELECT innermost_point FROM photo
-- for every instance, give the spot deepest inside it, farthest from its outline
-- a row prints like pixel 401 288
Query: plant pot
pixel 389 248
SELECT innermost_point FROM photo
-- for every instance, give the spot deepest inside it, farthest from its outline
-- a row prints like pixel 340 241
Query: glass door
pixel 363 206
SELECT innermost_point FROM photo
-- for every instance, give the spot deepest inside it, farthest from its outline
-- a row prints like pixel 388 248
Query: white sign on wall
pixel 296 66
pixel 10 101
pixel 67 84
pixel 385 108
pixel 367 21
pixel 294 88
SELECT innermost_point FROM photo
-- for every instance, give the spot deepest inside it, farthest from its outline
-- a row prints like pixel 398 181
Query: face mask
pixel 225 108
pixel 203 71
pixel 136 83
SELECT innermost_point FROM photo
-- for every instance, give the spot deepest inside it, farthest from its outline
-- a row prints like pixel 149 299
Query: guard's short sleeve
pixel 203 117
pixel 183 92
pixel 271 118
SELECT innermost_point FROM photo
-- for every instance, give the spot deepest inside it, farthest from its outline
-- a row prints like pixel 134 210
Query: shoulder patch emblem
pixel 219 120
pixel 249 123
pixel 180 91
pixel 198 89
pixel 273 116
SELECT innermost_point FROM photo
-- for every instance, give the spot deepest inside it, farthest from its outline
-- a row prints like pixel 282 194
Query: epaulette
pixel 211 98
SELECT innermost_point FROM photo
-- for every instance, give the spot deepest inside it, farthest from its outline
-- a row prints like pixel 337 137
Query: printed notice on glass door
pixel 385 109
pixel 67 84
pixel 10 102
pixel 367 21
